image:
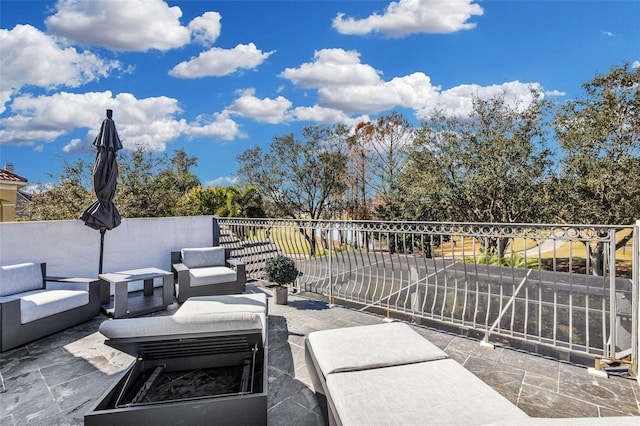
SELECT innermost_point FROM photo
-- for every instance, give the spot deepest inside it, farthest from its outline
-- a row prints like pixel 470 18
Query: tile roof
pixel 6 175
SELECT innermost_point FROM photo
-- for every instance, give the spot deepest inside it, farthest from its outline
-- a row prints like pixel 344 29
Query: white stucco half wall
pixel 70 248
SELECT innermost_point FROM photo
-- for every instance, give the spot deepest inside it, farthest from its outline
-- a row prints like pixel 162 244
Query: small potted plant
pixel 281 270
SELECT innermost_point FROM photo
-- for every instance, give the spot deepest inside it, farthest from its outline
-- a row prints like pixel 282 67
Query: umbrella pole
pixel 102 231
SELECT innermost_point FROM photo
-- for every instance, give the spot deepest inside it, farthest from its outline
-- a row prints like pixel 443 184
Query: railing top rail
pixel 431 223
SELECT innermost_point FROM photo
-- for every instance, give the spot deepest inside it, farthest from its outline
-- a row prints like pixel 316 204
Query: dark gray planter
pixel 281 295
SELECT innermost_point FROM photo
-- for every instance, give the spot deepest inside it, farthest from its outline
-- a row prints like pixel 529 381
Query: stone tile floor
pixel 55 380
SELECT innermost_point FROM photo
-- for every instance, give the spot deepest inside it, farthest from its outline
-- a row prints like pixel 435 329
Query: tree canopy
pixel 491 167
pixel 301 179
pixel 599 135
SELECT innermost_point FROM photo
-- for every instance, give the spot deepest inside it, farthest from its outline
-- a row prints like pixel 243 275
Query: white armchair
pixel 207 271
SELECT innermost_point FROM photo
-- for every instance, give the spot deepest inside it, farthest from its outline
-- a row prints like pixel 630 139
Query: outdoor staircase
pixel 254 253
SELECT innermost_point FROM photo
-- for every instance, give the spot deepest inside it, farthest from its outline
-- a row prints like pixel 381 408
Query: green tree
pixel 65 200
pixel 247 203
pixel 600 140
pixel 174 181
pixel 199 201
pixel 599 135
pixel 152 185
pixel 149 185
pixel 491 167
pixel 302 179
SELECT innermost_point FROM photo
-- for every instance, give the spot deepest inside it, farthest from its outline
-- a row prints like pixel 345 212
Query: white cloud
pixel 318 114
pixel 554 93
pixel 265 110
pixel 76 146
pixel 347 85
pixel 332 67
pixel 608 33
pixel 205 29
pixel 636 64
pixel 218 62
pixel 411 91
pixel 413 16
pixel 148 123
pixel 217 126
pixel 134 25
pixel 222 181
pixel 55 65
pixel 358 89
pixel 458 101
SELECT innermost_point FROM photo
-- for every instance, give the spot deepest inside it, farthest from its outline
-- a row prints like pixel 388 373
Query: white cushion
pixel 252 303
pixel 45 303
pixel 203 256
pixel 211 275
pixel 19 278
pixel 436 392
pixel 18 296
pixel 370 346
pixel 183 324
pixel 202 314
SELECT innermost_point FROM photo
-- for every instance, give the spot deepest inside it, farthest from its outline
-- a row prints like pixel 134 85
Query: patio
pixel 55 380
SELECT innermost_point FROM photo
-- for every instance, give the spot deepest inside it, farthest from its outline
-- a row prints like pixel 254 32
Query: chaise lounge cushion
pixel 211 275
pixel 201 305
pixel 361 347
pixel 42 304
pixel 439 392
pixel 212 322
pixel 20 278
pixel 203 257
pixel 204 314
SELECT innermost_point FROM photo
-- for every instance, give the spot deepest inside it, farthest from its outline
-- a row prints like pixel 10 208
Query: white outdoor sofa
pixel 33 305
pixel 387 374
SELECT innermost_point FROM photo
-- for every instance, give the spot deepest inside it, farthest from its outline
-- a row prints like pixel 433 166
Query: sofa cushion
pixel 211 275
pixel 203 256
pixel 42 304
pixel 19 278
pixel 358 348
pixel 438 392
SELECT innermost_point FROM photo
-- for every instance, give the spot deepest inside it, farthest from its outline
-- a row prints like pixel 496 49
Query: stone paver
pixel 55 380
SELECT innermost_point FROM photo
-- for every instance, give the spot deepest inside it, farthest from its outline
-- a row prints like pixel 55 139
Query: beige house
pixel 10 183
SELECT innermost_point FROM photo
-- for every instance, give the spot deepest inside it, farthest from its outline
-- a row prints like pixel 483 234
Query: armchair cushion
pixel 45 303
pixel 203 257
pixel 211 275
pixel 20 278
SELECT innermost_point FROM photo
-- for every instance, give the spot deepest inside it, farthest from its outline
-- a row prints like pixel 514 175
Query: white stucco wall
pixel 72 249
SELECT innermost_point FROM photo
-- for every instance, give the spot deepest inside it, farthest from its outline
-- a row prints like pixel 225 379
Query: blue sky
pixel 218 77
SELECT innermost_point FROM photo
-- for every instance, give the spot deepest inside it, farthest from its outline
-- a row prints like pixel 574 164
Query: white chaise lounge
pixel 387 374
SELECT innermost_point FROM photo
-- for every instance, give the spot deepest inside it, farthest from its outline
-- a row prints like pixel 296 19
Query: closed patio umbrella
pixel 103 214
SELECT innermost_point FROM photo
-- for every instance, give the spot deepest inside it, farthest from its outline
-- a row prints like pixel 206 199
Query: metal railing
pixel 572 288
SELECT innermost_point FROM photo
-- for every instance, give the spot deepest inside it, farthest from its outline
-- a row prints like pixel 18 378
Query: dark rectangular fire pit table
pixel 205 364
pixel 148 301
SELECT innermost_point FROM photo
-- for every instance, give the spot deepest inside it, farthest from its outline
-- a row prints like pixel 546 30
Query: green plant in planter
pixel 281 270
